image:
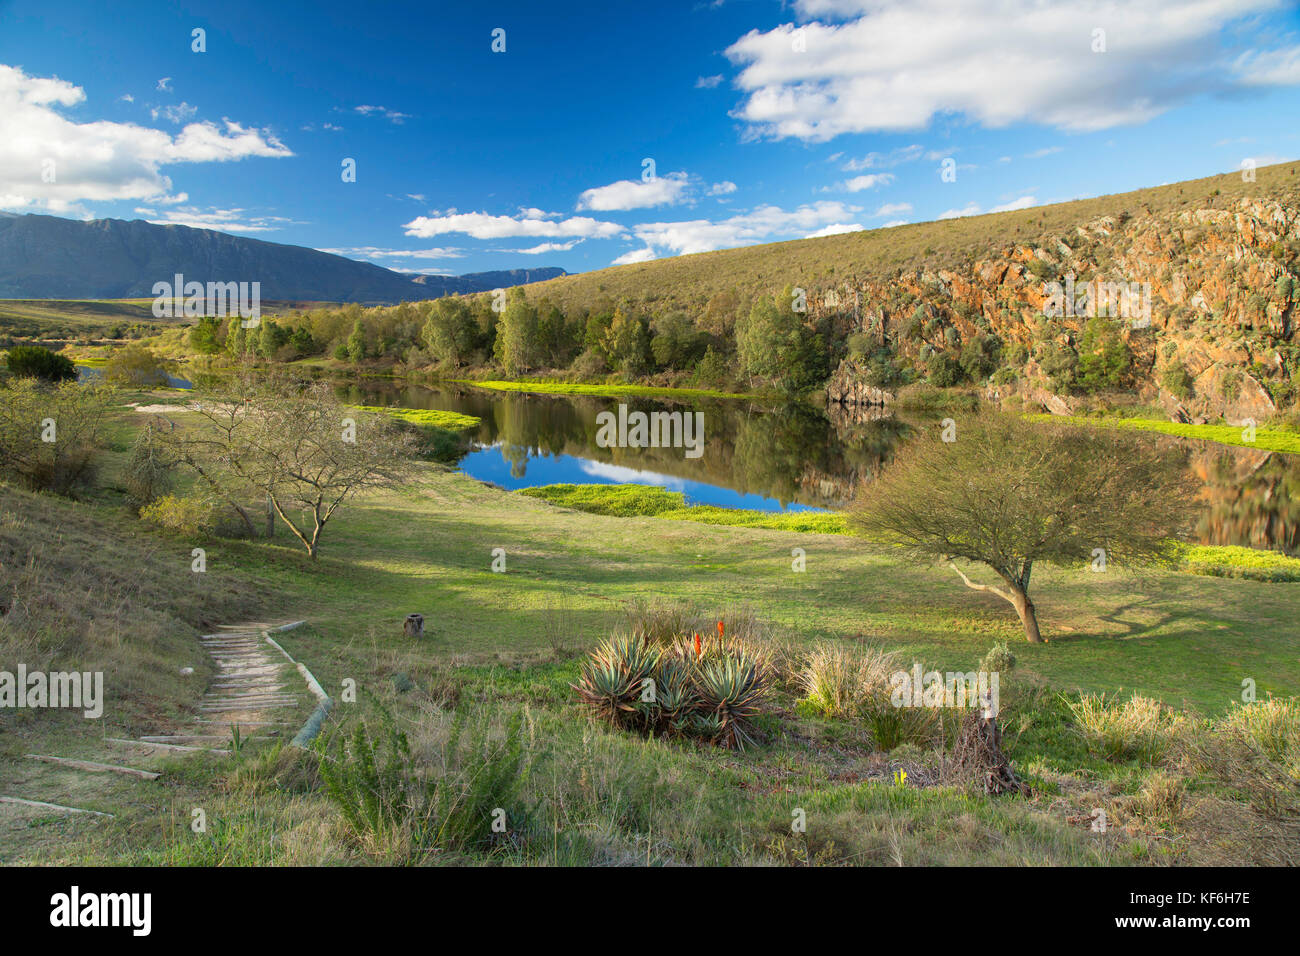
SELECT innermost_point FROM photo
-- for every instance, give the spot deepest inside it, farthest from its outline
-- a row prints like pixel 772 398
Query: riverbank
pixel 609 391
pixel 1265 439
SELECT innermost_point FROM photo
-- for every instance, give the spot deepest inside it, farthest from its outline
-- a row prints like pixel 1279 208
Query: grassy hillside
pixel 87 583
pixel 687 282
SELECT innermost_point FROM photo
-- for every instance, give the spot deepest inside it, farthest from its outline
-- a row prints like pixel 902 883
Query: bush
pixel 944 370
pixel 135 365
pixel 149 471
pixel 999 660
pixel 191 516
pixel 405 809
pixel 32 361
pixel 1177 380
pixel 49 436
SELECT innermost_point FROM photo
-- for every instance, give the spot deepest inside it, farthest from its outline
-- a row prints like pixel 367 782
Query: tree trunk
pixel 1028 617
pixel 270 518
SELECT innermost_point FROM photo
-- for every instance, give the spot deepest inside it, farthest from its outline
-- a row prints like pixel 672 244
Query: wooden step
pixel 92 767
pixel 52 806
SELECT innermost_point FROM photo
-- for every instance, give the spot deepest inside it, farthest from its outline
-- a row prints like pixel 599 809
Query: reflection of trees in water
pixel 804 454
pixel 1252 498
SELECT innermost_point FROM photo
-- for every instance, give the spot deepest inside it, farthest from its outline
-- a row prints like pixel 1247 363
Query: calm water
pixel 787 457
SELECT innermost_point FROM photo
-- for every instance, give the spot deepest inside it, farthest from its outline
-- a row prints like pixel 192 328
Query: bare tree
pixel 297 445
pixel 1009 494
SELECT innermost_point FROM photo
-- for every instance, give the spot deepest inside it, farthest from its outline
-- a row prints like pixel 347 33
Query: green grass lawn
pixel 511 642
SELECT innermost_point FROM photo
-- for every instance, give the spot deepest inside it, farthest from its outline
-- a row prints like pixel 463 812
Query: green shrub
pixel 32 361
pixel 1177 380
pixel 1000 659
pixel 135 365
pixel 406 809
pixel 49 435
pixel 189 515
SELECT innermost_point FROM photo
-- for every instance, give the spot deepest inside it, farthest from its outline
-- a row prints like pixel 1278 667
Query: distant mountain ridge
pixel 49 257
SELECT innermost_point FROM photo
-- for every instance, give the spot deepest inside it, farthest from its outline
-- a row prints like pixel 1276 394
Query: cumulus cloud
pixel 625 194
pixel 176 114
pixel 896 64
pixel 708 82
pixel 724 188
pixel 544 247
pixel 636 255
pixel 482 225
pixel 766 223
pixel 50 162
pixel 834 229
pixel 867 181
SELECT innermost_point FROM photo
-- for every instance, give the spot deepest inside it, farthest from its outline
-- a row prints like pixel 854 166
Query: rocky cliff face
pixel 1210 325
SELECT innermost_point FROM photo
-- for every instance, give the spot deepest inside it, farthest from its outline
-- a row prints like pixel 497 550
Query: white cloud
pixel 835 229
pixel 98 160
pixel 763 223
pixel 545 247
pixel 894 157
pixel 971 209
pixel 393 116
pixel 126 98
pixel 708 82
pixel 482 225
pixel 869 181
pixel 724 188
pixel 222 220
pixel 1270 68
pixel 1024 202
pixel 1045 151
pixel 896 64
pixel 636 255
pixel 625 194
pixel 164 85
pixel 892 209
pixel 176 114
pixel 894 222
pixel 371 252
pixel 974 209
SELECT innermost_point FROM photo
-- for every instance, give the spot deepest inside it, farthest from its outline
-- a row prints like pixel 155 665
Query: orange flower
pixel 698 652
pixel 719 629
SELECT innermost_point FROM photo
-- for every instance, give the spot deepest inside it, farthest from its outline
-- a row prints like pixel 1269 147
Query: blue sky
pixel 765 121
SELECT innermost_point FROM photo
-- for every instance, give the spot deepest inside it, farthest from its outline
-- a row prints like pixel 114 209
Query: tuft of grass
pixel 426 417
pixel 1140 728
pixel 649 501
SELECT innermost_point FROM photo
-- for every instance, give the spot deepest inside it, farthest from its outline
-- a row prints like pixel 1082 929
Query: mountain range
pixel 49 257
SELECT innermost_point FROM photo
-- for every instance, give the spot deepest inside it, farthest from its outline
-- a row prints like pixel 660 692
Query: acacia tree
pixel 297 445
pixel 1010 494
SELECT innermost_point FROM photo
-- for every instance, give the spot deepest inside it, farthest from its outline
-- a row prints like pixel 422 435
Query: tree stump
pixel 978 756
pixel 414 625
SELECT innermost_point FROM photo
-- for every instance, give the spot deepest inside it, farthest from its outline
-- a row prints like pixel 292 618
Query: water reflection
pixel 796 456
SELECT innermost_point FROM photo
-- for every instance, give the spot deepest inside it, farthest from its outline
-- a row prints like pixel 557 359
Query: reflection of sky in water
pixel 488 463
